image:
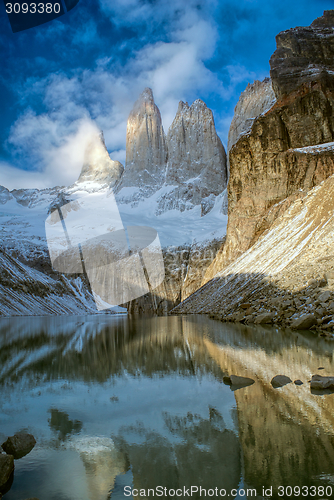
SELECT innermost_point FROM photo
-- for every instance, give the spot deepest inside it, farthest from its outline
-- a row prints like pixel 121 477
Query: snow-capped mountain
pixel 184 206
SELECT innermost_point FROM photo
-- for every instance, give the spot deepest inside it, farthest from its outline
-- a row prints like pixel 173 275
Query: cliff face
pixel 185 267
pixel 303 56
pixel 288 272
pixel 146 151
pixel 182 172
pixel 266 165
pixel 196 156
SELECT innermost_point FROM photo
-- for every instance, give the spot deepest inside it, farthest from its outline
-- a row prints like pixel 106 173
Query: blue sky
pixel 61 81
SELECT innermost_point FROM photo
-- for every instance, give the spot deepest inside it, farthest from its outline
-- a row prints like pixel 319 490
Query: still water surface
pixel 115 401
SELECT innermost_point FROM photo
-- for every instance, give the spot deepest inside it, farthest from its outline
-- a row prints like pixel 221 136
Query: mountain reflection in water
pixel 115 401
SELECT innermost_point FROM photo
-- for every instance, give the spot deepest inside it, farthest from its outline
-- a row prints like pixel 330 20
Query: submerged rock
pixel 280 381
pixel 19 445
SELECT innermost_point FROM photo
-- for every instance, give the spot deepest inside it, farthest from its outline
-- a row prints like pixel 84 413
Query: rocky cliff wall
pixel 266 165
pixel 287 276
pixel 196 162
pixel 146 150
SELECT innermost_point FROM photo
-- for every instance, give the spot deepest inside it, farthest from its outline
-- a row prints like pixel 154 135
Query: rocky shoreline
pixel 309 308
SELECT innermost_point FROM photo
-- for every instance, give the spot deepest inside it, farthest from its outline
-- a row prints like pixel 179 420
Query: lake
pixel 128 407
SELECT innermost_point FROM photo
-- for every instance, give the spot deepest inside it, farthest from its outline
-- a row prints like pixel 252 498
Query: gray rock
pixel 320 311
pixel 298 382
pixel 19 445
pixel 191 160
pixel 324 296
pixel 264 318
pixel 280 381
pixel 304 322
pixel 237 382
pixel 320 383
pixel 6 468
pixel 4 195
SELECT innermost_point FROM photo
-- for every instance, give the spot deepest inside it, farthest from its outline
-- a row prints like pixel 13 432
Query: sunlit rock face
pixel 146 151
pixel 98 167
pixel 266 161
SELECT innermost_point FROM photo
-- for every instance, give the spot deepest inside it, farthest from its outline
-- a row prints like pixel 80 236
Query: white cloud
pixel 103 96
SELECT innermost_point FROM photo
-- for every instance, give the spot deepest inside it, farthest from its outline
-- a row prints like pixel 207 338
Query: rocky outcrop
pixel 4 195
pixel 6 470
pixel 304 56
pixel 25 291
pixel 273 160
pixel 146 150
pixel 98 166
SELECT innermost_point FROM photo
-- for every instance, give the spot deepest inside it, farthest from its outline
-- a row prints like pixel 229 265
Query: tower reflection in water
pixel 116 401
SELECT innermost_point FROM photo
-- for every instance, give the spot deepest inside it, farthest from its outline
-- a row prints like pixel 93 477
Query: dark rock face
pixel 6 469
pixel 19 445
pixel 185 267
pixel 303 56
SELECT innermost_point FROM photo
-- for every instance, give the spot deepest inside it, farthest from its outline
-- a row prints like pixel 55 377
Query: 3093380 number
pixel 32 8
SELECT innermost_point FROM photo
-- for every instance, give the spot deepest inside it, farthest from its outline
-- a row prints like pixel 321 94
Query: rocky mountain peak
pixel 191 158
pixel 98 166
pixel 146 151
pixel 195 150
pixel 325 21
pixel 304 56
